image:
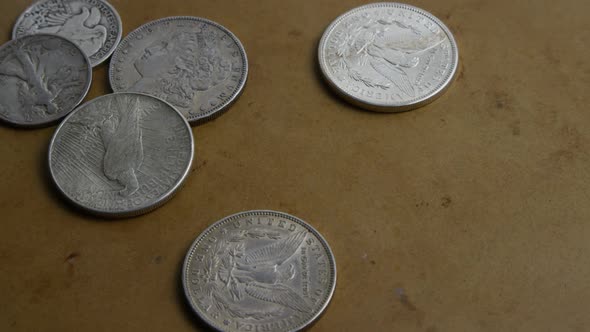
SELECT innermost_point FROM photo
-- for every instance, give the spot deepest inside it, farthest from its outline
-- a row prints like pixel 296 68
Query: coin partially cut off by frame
pixel 388 57
pixel 259 271
pixel 93 25
pixel 121 154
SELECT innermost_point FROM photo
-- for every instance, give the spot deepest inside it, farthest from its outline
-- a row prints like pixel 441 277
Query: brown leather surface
pixel 469 214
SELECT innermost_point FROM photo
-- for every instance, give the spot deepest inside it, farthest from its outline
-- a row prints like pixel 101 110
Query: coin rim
pixel 223 107
pixel 92 63
pixel 208 230
pixel 137 211
pixel 74 105
pixel 397 106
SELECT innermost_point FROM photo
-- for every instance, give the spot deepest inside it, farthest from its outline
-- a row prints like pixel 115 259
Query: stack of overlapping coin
pixel 107 156
pixel 127 153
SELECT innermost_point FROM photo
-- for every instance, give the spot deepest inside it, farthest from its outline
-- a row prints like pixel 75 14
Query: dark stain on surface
pixel 71 262
pixel 501 100
pixel 561 155
pixel 295 33
pixel 422 204
pixel 200 165
pixel 72 257
pixel 572 149
pixel 500 105
pixel 515 128
pixel 446 201
pixel 461 73
pixel 551 57
pixel 158 259
pixel 41 288
pixel 250 104
pixel 405 300
pixel 259 116
pixel 373 262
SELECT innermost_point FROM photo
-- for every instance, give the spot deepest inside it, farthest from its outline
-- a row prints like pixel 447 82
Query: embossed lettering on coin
pixel 388 56
pixel 196 65
pixel 121 154
pixel 94 25
pixel 259 271
pixel 42 78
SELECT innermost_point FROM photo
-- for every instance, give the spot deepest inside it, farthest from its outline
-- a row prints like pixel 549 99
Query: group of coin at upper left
pixel 125 153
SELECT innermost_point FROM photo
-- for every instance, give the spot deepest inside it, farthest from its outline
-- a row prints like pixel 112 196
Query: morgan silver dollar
pixel 94 25
pixel 42 79
pixel 259 271
pixel 195 64
pixel 388 57
pixel 121 154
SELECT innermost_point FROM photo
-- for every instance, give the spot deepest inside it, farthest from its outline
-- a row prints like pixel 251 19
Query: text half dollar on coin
pixel 388 57
pixel 259 271
pixel 94 25
pixel 42 79
pixel 195 64
pixel 121 155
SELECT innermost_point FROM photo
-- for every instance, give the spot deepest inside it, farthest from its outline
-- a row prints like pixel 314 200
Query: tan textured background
pixel 476 206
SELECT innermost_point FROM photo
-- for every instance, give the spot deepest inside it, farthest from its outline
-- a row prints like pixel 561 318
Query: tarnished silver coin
pixel 259 271
pixel 121 154
pixel 94 25
pixel 388 57
pixel 42 79
pixel 195 64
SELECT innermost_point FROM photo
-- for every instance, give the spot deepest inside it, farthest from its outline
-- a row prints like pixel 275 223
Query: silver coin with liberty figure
pixel 94 25
pixel 121 154
pixel 259 271
pixel 388 57
pixel 195 64
pixel 42 79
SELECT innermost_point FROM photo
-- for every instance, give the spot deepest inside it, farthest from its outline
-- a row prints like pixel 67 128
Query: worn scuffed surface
pixel 470 214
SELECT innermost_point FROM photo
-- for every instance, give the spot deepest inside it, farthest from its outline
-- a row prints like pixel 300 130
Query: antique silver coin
pixel 94 25
pixel 42 79
pixel 121 154
pixel 259 271
pixel 388 57
pixel 195 64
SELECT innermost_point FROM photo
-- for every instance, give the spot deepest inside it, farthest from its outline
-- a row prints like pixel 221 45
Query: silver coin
pixel 122 154
pixel 42 79
pixel 94 25
pixel 388 57
pixel 195 64
pixel 259 271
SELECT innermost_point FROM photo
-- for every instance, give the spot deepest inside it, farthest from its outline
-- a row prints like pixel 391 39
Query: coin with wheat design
pixel 195 64
pixel 388 57
pixel 42 79
pixel 259 271
pixel 121 154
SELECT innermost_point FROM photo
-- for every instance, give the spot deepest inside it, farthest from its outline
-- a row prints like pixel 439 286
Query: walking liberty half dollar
pixel 94 25
pixel 195 64
pixel 388 57
pixel 259 271
pixel 121 154
pixel 42 79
